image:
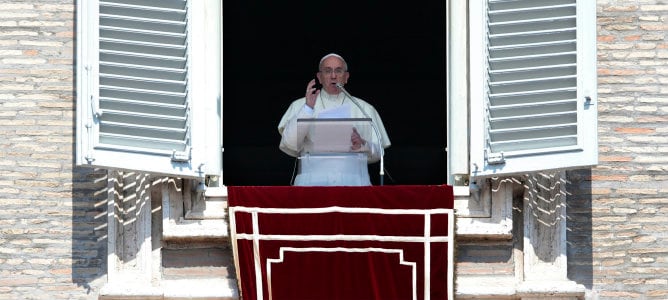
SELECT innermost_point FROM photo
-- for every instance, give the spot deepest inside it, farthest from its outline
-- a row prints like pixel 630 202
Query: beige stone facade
pixel 54 241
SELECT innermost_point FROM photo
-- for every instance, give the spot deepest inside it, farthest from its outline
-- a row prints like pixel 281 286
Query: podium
pixel 326 155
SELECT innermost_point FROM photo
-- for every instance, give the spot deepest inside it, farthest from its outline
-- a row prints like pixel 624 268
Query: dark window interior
pixel 396 57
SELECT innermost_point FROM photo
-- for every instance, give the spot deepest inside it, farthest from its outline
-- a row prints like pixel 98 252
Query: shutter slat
pixel 148 49
pixel 165 4
pixel 541 84
pixel 153 11
pixel 144 119
pixel 551 48
pixel 143 72
pixel 143 107
pixel 146 132
pixel 531 62
pixel 499 5
pixel 110 81
pixel 534 26
pixel 163 38
pixel 518 123
pixel 142 24
pixel 505 135
pixel 524 97
pixel 533 38
pixel 501 76
pixel 148 96
pixel 534 108
pixel 517 147
pixel 129 143
pixel 529 13
pixel 143 60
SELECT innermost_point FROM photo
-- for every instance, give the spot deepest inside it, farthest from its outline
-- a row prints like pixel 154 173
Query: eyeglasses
pixel 329 71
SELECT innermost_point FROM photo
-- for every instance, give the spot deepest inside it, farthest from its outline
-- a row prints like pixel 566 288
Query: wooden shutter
pixel 533 106
pixel 136 97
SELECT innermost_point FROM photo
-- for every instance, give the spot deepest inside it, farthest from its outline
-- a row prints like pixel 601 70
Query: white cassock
pixel 345 168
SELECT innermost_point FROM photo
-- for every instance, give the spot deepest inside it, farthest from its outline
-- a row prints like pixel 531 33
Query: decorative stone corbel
pixel 545 261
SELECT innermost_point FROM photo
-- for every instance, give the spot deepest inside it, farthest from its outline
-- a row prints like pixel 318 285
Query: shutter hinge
pixel 182 157
pixel 89 155
pixel 494 158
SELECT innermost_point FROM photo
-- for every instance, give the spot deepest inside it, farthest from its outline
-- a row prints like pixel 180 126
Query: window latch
pixel 588 102
pixel 182 157
pixel 494 158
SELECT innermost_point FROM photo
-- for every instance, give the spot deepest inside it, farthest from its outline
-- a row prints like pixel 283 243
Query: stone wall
pixel 52 215
pixel 618 211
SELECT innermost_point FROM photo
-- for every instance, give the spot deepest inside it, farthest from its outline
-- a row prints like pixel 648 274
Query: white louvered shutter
pixel 139 106
pixel 533 105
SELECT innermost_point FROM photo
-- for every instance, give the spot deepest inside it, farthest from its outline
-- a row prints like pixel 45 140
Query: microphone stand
pixel 373 125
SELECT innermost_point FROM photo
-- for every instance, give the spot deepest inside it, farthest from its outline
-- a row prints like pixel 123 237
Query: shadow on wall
pixel 89 214
pixel 89 227
pixel 579 227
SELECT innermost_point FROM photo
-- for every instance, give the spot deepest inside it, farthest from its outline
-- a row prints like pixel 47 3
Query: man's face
pixel 332 71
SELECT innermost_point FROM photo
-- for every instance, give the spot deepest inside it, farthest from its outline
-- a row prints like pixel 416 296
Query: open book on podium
pixel 327 157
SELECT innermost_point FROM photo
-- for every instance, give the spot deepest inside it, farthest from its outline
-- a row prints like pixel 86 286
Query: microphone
pixel 373 125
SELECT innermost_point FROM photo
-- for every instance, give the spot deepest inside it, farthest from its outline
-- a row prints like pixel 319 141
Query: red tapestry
pixel 348 243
